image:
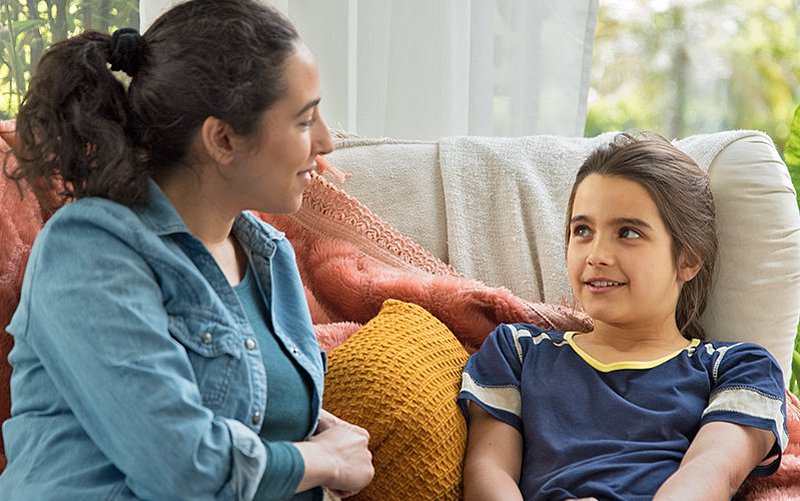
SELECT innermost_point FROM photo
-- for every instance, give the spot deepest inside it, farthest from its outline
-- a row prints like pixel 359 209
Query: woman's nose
pixel 322 141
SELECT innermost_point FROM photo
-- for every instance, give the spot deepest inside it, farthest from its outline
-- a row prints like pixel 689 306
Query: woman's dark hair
pixel 681 191
pixel 81 128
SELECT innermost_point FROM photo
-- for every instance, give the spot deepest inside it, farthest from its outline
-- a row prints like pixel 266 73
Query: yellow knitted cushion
pixel 398 377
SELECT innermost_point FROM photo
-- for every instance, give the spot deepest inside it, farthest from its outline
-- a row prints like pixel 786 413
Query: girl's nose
pixel 599 254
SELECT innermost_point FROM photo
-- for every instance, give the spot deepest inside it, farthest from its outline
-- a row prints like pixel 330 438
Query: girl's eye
pixel 629 233
pixel 308 123
pixel 581 231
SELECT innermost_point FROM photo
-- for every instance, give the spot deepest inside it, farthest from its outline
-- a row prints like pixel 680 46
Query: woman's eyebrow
pixel 308 106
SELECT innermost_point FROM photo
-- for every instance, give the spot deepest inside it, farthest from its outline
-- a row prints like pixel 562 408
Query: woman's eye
pixel 629 233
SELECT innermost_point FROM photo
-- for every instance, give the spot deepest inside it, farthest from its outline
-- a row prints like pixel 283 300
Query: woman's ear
pixel 217 138
pixel 688 267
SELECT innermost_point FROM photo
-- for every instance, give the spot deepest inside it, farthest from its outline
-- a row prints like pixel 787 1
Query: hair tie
pixel 125 52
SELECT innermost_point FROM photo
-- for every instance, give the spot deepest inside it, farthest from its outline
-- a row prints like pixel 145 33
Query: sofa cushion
pixel 398 377
pixel 756 292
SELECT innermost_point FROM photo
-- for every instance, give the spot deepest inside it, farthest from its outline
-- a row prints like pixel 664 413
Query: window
pixel 27 27
pixel 682 67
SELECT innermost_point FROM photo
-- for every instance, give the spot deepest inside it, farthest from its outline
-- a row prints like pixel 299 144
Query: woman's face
pixel 271 174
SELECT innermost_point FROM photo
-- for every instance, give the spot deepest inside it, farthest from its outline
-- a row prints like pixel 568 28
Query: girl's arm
pixel 493 460
pixel 719 459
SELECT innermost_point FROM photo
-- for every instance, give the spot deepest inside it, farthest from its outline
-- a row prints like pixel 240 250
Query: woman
pixel 163 345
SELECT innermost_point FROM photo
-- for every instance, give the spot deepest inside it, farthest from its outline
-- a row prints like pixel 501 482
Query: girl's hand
pixel 337 457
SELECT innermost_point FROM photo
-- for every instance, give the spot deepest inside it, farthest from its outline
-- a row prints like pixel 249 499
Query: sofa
pixel 470 232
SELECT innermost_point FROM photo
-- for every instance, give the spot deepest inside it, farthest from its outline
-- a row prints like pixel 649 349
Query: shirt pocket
pixel 214 352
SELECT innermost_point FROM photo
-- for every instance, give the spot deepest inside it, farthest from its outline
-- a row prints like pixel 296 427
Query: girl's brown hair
pixel 79 126
pixel 681 191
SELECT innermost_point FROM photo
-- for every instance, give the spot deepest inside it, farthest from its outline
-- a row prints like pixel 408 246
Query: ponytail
pixel 74 124
pixel 80 131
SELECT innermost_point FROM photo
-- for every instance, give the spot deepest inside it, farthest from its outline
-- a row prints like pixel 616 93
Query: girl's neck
pixel 610 343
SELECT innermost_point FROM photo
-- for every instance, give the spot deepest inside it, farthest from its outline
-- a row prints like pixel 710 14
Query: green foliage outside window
pixel 791 155
pixel 27 27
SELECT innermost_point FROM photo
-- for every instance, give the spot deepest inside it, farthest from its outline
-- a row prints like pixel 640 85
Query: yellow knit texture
pixel 398 377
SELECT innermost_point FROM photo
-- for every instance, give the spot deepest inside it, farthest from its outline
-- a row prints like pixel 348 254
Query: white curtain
pixel 423 69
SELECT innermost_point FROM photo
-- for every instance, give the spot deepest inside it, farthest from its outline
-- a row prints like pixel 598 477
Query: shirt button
pixel 295 351
pixel 207 338
pixel 249 344
pixel 256 417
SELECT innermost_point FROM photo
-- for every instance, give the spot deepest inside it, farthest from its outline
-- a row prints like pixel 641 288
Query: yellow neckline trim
pixel 632 364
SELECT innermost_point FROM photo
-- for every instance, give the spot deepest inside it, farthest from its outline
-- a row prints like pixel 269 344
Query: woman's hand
pixel 336 457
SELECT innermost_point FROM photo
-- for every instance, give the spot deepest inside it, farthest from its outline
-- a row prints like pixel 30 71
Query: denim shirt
pixel 135 374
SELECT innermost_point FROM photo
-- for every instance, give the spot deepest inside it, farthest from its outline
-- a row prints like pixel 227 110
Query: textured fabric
pixel 398 378
pixel 289 415
pixel 20 221
pixel 617 431
pixel 161 315
pixel 410 198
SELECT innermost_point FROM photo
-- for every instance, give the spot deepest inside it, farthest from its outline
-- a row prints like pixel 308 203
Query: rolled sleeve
pixel 249 460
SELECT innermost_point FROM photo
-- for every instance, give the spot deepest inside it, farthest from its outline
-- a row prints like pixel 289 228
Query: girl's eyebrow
pixel 620 221
pixel 308 106
pixel 632 221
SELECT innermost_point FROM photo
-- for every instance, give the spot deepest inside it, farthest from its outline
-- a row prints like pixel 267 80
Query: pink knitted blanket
pixel 351 261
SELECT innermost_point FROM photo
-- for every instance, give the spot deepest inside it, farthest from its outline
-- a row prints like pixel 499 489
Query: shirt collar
pixel 162 218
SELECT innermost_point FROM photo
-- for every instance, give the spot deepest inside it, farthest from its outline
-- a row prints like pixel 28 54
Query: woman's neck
pixel 207 218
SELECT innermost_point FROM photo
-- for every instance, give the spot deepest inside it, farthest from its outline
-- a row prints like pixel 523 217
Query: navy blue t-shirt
pixel 617 431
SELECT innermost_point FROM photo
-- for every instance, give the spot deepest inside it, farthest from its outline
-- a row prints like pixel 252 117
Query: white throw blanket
pixel 506 199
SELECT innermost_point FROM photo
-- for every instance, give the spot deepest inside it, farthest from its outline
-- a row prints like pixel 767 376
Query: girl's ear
pixel 218 139
pixel 688 267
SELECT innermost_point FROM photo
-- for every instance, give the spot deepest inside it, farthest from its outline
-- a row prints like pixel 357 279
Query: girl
pixel 641 406
pixel 163 348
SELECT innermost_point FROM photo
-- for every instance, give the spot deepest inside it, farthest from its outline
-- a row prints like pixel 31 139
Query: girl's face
pixel 619 255
pixel 273 170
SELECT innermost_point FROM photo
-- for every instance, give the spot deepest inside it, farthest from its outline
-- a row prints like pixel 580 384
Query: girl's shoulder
pixel 529 333
pixel 715 350
pixel 514 341
pixel 740 363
